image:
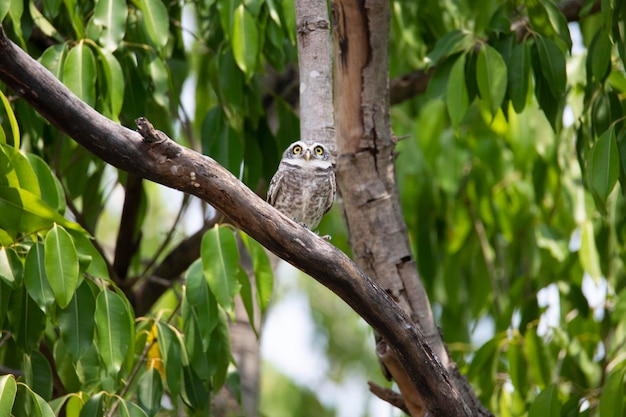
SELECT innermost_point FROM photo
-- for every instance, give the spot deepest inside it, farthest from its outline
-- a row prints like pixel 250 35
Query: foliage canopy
pixel 512 181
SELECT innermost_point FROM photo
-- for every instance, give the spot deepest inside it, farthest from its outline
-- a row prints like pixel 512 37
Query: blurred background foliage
pixel 511 170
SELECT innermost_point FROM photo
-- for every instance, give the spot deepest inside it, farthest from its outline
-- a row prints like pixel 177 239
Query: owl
pixel 304 187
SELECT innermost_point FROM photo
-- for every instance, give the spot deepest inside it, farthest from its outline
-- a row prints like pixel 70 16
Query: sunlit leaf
pixel 245 39
pixel 155 22
pixel 453 42
pixel 61 263
pixel 50 186
pixel 110 17
pixel 15 131
pixel 11 268
pixel 8 389
pixel 263 273
pixel 15 171
pixel 588 252
pixel 171 349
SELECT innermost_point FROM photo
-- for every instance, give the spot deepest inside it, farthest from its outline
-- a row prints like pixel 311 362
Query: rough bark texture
pixel 153 156
pixel 367 183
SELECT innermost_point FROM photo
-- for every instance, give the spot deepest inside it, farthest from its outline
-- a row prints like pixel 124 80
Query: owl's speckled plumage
pixel 303 187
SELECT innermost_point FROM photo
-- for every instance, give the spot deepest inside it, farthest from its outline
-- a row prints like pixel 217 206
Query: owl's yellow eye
pixel 319 150
pixel 297 149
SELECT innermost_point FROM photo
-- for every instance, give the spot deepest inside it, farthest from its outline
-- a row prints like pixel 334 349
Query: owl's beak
pixel 307 155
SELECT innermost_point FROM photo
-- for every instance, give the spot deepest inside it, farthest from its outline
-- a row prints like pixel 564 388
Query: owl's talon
pixel 326 237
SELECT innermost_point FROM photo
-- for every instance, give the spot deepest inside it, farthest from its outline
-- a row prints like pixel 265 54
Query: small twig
pixel 389 396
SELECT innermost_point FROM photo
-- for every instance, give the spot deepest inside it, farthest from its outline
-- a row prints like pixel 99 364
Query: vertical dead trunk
pixel 367 183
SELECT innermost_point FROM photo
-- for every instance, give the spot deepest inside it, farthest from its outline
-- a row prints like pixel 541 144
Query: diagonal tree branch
pixel 155 157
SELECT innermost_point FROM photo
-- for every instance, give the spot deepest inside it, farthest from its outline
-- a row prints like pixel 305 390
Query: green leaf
pixel 546 403
pixel 93 406
pixel 245 40
pixel 129 409
pixel 61 263
pixel 221 142
pixel 457 99
pixel 588 252
pixel 43 24
pixel 11 268
pixel 247 298
pixel 491 76
pixel 40 407
pixel 79 73
pixel 15 130
pixel 76 322
pixel 15 171
pixel 27 321
pixel 603 166
pixel 613 393
pixel 171 350
pixel 150 392
pixel 201 301
pixel 8 389
pixel 51 189
pixel 155 22
pixel 114 82
pixel 450 44
pixel 86 250
pixel 599 57
pixel 110 17
pixel 35 277
pixel 220 261
pixel 539 361
pixel 219 354
pixel 38 374
pixel 552 61
pixel 193 392
pixel 263 273
pixel 114 330
pixel 159 74
pixel 4 9
pixel 519 75
pixel 518 367
pixel 52 59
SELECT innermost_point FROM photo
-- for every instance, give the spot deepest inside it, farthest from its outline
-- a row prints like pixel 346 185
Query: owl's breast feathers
pixel 303 193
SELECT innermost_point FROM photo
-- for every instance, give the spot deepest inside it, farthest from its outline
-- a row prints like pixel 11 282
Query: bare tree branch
pixel 159 159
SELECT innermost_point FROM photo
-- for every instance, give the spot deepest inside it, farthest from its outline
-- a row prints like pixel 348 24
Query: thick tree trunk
pixel 367 183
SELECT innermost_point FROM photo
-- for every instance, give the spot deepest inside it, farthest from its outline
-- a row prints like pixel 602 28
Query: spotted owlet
pixel 304 187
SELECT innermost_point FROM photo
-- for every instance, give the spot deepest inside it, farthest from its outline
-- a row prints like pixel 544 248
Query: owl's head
pixel 307 154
